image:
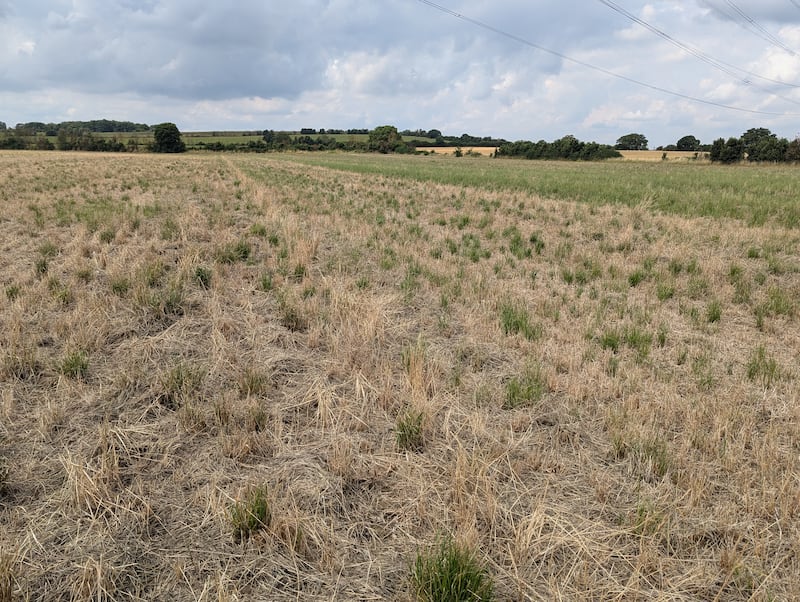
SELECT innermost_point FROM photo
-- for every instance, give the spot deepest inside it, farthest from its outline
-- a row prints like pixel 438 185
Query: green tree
pixel 688 143
pixel 716 149
pixel 386 139
pixel 631 142
pixel 3 126
pixel 793 151
pixel 760 144
pixel 732 151
pixel 772 150
pixel 167 139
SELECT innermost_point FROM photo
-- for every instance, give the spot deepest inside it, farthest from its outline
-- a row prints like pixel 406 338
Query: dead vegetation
pixel 235 378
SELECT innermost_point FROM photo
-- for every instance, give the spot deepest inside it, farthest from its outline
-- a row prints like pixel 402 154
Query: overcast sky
pixel 280 64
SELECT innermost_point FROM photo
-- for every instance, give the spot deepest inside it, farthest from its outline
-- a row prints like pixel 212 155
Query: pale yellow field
pixel 450 150
pixel 657 155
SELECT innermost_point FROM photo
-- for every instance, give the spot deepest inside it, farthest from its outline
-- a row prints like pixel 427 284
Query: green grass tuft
pixel 450 573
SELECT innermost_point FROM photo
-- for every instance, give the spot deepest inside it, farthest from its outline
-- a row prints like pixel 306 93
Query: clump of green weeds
pixel 514 319
pixel 120 285
pixel 179 384
pixel 107 236
pixel 13 292
pixel 251 514
pixel 253 382
pixel 233 252
pixel 647 519
pixel 650 455
pixel 409 432
pixel 41 266
pixel 762 368
pixel 526 390
pixel 291 315
pixel 75 364
pixel 714 311
pixel 265 283
pixel 202 275
pixel 450 572
pixel 258 230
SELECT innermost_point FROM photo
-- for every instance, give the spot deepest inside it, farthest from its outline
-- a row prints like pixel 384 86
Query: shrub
pixel 451 573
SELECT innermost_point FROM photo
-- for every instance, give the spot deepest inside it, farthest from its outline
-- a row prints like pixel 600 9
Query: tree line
pixel 82 136
pixel 568 147
pixel 756 145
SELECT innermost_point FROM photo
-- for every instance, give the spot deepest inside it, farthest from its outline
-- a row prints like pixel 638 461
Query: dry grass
pixel 653 453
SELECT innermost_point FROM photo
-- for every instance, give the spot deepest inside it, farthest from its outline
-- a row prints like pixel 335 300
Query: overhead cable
pixel 767 35
pixel 607 72
pixel 726 68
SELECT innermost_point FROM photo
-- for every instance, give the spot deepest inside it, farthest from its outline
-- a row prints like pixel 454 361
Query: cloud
pixel 347 63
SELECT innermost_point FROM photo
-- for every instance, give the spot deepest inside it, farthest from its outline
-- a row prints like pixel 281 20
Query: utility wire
pixel 767 35
pixel 795 2
pixel 516 38
pixel 706 58
pixel 748 23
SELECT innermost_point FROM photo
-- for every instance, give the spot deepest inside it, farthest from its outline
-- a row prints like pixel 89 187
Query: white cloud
pixel 345 63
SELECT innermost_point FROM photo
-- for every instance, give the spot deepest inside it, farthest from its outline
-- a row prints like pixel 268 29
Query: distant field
pixel 664 156
pixel 449 150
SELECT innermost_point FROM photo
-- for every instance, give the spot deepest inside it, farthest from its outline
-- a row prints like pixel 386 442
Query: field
pixel 449 150
pixel 303 377
pixel 656 155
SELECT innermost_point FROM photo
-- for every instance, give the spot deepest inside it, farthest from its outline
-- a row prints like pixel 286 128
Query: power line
pixel 520 40
pixel 767 35
pixel 795 2
pixel 748 23
pixel 706 58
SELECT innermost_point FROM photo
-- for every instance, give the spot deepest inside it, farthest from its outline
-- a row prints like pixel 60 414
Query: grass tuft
pixel 514 319
pixel 409 433
pixel 75 364
pixel 250 514
pixel 525 390
pixel 450 573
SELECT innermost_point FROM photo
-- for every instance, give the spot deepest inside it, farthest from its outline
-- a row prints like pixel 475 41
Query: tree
pixel 762 145
pixel 772 150
pixel 732 151
pixel 3 126
pixel 167 139
pixel 386 139
pixel 631 142
pixel 688 143
pixel 715 153
pixel 793 151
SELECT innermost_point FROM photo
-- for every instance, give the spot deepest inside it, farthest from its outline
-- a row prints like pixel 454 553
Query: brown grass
pixel 657 460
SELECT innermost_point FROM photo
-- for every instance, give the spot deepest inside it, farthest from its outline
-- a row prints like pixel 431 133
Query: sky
pixel 515 69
